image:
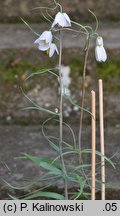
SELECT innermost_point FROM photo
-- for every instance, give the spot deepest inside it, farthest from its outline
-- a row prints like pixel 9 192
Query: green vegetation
pixel 76 66
pixel 109 69
pixel 13 70
pixel 110 73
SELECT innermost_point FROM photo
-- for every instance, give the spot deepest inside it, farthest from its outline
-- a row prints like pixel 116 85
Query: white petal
pixel 67 24
pixel 62 20
pixel 99 41
pixel 58 16
pixel 57 19
pixel 43 35
pixel 37 41
pixel 53 24
pixel 53 48
pixel 43 46
pixel 56 49
pixel 47 36
pixel 103 54
pixel 100 54
pixel 67 18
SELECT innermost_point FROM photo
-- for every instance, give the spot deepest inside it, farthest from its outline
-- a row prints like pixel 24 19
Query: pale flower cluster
pixel 46 41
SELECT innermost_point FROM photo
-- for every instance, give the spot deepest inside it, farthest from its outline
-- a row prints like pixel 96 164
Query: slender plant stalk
pixel 83 98
pixel 61 121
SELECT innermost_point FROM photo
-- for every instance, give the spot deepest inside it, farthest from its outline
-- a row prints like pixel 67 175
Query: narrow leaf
pixel 45 194
pixel 42 72
pixel 40 109
pixel 51 168
pixel 89 151
pixel 29 27
pixel 38 160
pixel 52 144
pixel 73 103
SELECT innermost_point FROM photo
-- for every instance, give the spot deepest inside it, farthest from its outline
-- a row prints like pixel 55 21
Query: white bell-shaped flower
pixel 44 40
pixel 100 53
pixel 52 49
pixel 61 19
pixel 99 41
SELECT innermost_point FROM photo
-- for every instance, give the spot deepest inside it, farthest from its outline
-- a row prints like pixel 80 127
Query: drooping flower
pixel 61 19
pixel 45 43
pixel 44 40
pixel 52 49
pixel 100 52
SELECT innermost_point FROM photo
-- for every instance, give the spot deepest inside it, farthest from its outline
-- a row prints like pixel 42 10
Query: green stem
pixel 61 121
pixel 83 97
pixel 59 5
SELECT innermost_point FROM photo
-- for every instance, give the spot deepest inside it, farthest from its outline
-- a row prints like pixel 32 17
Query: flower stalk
pixel 61 120
pixel 83 98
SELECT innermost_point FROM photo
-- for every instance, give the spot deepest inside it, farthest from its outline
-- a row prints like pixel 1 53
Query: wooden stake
pixel 93 143
pixel 102 139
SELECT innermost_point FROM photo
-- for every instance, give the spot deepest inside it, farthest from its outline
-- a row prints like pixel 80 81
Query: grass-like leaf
pixel 82 166
pixel 33 182
pixel 39 109
pixel 45 194
pixel 82 183
pixel 52 144
pixel 13 197
pixel 36 106
pixel 73 103
pixel 89 151
pixel 51 168
pixel 30 27
pixel 44 164
pixel 37 160
pixel 42 72
pixel 72 132
pixel 96 19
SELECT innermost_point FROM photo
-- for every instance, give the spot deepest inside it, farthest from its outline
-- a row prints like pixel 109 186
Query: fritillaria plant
pixel 51 42
pixel 46 43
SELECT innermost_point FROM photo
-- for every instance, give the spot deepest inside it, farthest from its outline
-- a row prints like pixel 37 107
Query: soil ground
pixel 15 140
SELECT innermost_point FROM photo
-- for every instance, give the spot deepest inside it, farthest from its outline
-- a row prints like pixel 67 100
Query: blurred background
pixel 21 131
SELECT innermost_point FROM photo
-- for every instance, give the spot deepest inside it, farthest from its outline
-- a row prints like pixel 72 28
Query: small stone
pixel 56 110
pixel 8 118
pixel 117 125
pixel 47 104
pixel 75 108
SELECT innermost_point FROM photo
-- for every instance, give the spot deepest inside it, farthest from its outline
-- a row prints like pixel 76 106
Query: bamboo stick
pixel 93 143
pixel 102 139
